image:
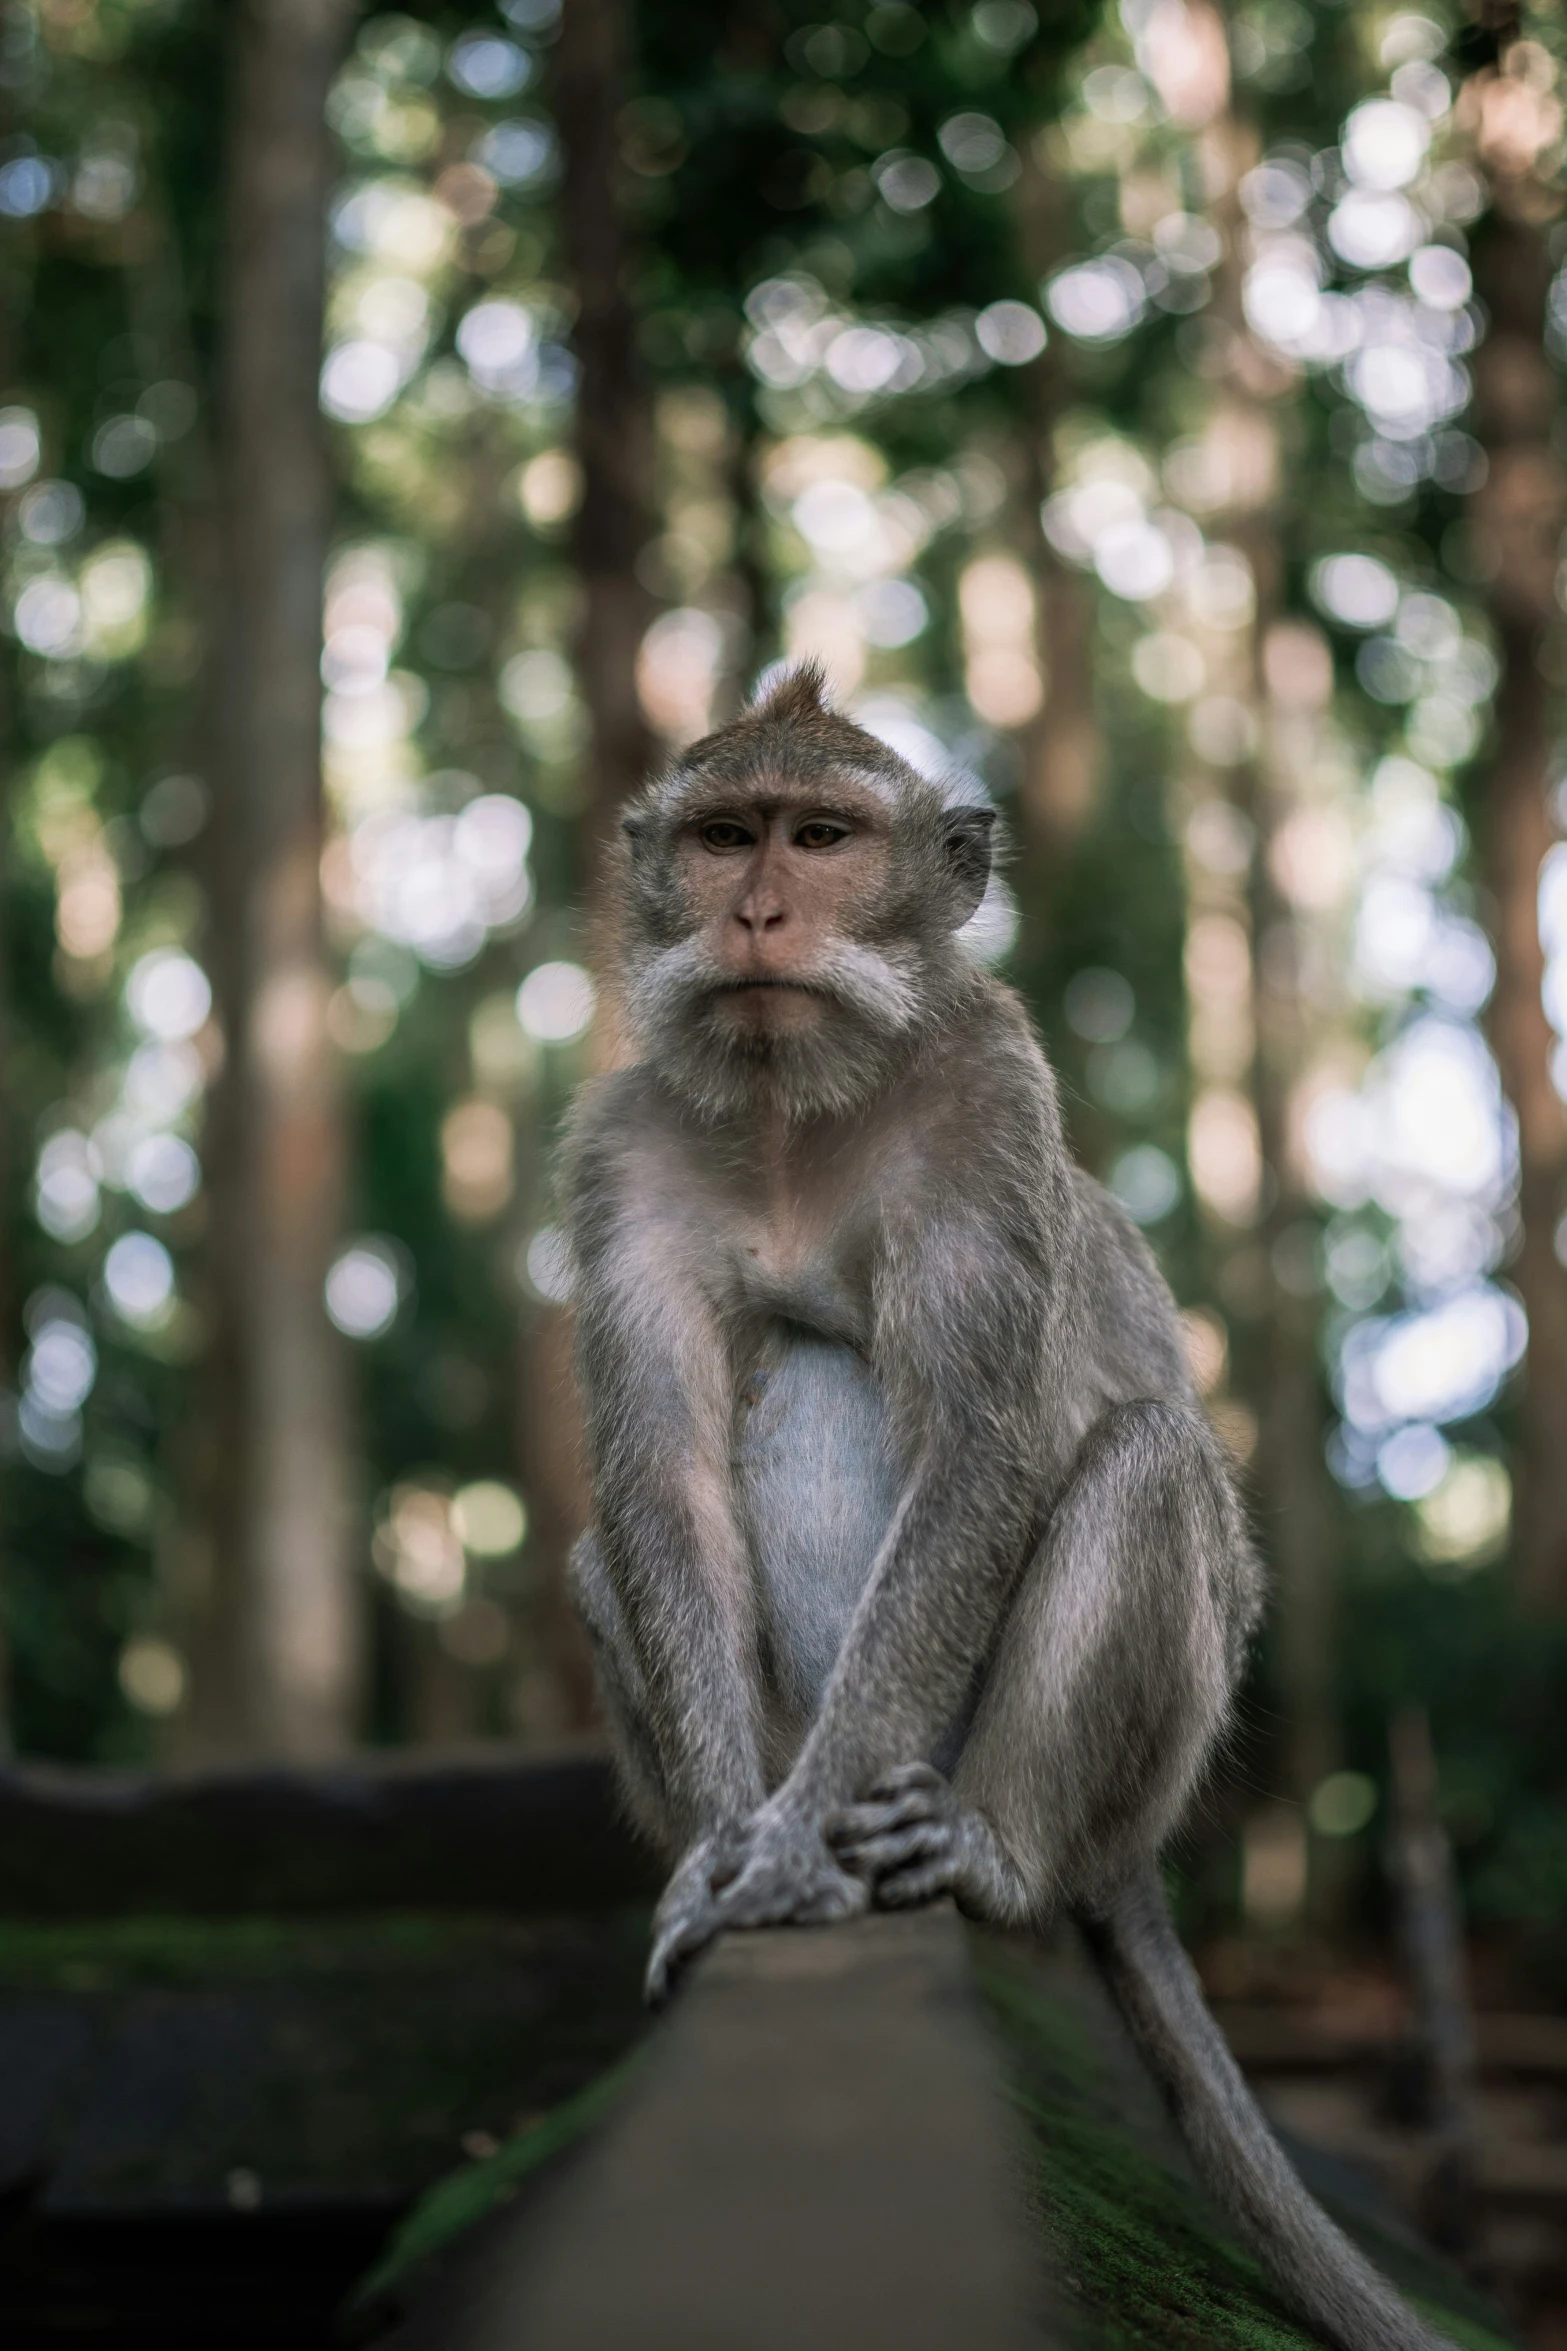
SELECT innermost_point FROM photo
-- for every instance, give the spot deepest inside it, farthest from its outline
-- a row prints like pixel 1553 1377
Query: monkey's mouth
pixel 770 987
pixel 754 1006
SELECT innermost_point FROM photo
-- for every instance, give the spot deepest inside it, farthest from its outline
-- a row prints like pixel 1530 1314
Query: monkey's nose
pixel 761 916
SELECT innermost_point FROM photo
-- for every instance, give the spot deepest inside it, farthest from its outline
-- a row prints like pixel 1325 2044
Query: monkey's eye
pixel 721 833
pixel 821 832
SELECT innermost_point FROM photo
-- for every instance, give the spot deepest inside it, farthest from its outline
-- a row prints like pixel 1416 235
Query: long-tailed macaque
pixel 917 1569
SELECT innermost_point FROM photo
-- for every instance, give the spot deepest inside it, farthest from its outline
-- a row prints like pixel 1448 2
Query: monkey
pixel 916 1567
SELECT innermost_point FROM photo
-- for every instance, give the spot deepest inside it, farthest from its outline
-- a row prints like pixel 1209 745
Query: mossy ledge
pixel 1135 2251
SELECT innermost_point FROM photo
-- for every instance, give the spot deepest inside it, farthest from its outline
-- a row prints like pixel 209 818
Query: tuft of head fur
pixel 885 988
pixel 793 734
pixel 799 695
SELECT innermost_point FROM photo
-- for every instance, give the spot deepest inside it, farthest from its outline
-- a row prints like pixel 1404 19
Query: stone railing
pixel 817 2154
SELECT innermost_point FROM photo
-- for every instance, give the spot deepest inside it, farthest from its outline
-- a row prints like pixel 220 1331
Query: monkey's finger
pixel 659 1981
pixel 664 1971
pixel 831 1903
pixel 857 1823
pixel 925 1841
pixel 905 1779
pixel 833 1895
pixel 906 1888
pixel 762 1904
pixel 679 1943
pixel 655 1983
pixel 775 1898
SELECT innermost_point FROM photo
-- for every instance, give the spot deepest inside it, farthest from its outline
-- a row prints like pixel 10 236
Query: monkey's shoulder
pixel 1001 1109
pixel 1136 1325
pixel 636 1161
pixel 605 1146
pixel 987 1092
pixel 615 1114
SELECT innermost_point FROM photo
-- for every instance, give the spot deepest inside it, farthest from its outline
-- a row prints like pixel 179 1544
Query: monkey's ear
pixel 966 845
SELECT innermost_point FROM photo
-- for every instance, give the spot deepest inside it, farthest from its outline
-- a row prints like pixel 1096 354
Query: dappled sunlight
pixel 1138 441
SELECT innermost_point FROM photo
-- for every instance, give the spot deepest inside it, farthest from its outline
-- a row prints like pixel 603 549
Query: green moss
pixel 1130 2242
pixel 458 2203
pixel 119 1953
pixel 1134 2243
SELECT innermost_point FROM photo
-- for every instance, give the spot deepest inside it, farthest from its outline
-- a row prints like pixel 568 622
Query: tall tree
pixel 1518 513
pixel 282 1668
pixel 7 1300
pixel 1061 749
pixel 7 1303
pixel 1288 1383
pixel 613 444
pixel 1247 422
pixel 614 426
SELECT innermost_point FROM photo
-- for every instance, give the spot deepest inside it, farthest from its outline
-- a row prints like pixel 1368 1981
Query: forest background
pixel 411 427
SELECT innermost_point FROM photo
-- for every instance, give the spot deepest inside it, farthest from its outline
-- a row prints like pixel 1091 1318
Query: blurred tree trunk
pixel 8 1302
pixel 753 578
pixel 1290 1468
pixel 614 447
pixel 1517 515
pixel 556 1696
pixel 281 1668
pixel 614 419
pixel 1060 749
pixel 1286 1382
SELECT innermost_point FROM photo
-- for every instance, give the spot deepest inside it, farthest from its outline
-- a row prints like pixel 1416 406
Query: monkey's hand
pixel 789 1877
pixel 774 1870
pixel 687 1914
pixel 912 1840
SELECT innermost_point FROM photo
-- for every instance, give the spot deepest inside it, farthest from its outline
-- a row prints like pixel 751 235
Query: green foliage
pixel 754 143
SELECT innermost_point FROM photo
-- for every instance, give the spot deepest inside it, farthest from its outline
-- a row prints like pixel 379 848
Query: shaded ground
pixel 213 2130
pixel 209 2127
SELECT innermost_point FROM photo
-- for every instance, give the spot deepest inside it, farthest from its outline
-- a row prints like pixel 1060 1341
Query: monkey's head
pixel 792 892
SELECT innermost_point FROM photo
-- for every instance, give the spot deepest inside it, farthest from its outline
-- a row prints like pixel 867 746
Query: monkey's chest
pixel 788 1282
pixel 817 1478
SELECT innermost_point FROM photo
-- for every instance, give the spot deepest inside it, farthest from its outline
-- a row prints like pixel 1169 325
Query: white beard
pixel 872 1010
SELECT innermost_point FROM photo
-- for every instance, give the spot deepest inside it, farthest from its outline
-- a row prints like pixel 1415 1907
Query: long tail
pixel 1326 2278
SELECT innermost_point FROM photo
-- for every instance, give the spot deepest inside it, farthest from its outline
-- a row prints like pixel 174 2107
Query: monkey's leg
pixel 621 1691
pixel 1107 1686
pixel 685 1918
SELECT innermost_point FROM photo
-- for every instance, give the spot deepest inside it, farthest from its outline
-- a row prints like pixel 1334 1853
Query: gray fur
pixel 902 973
pixel 817 1479
pixel 896 1460
pixel 1319 2270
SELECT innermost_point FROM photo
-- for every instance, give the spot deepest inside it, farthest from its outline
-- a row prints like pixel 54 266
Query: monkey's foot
pixel 772 1870
pixel 914 1840
pixel 687 1916
pixel 789 1876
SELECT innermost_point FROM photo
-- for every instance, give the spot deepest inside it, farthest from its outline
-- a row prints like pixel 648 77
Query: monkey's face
pixel 778 885
pixel 790 899
pixel 795 935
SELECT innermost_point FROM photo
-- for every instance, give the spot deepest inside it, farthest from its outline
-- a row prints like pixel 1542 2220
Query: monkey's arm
pixel 656 1378
pixel 963 1310
pixel 959 1336
pixel 654 1365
